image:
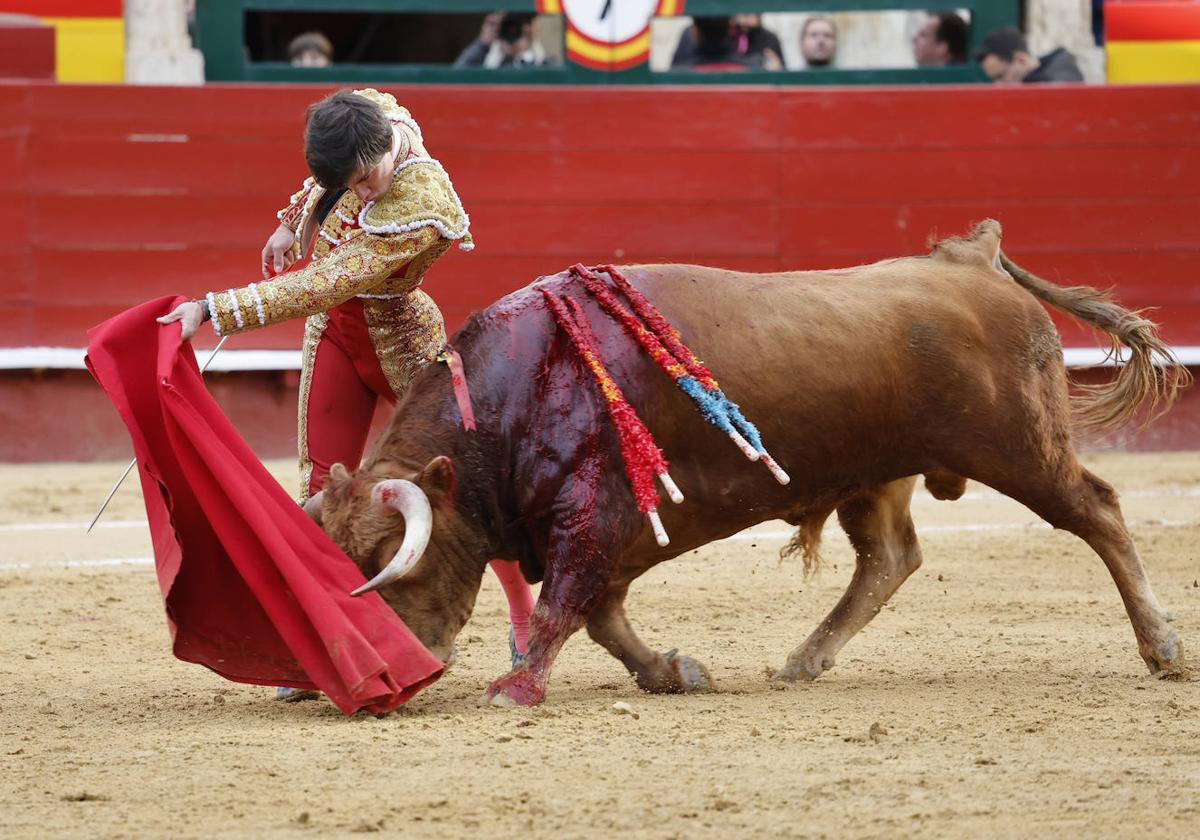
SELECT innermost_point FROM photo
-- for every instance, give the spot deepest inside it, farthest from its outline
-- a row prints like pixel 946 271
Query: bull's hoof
pixel 675 674
pixel 517 688
pixel 690 676
pixel 500 701
pixel 799 670
pixel 1168 662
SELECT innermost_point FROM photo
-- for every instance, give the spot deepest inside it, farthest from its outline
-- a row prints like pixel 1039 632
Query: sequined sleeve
pixel 350 269
pixel 292 215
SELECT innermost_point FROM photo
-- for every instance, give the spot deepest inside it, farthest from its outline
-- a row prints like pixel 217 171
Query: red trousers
pixel 345 385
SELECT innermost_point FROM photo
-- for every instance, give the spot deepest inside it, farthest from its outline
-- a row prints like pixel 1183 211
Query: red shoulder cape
pixel 253 588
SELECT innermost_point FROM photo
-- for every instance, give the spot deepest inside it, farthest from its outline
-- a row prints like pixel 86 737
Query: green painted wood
pixel 221 36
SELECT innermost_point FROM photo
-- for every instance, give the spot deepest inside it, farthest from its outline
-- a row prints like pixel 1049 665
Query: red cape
pixel 253 588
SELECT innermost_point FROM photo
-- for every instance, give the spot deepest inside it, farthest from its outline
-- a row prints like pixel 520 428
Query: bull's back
pixel 848 374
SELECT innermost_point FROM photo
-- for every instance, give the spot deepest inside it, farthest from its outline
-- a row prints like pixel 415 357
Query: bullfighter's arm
pixel 352 268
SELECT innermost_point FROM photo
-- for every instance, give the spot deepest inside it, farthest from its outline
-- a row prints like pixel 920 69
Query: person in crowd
pixel 1006 59
pixel 941 40
pixel 709 44
pixel 310 49
pixel 751 46
pixel 506 39
pixel 376 214
pixel 818 41
pixel 753 42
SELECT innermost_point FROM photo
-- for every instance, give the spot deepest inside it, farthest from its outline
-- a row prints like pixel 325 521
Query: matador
pixel 374 215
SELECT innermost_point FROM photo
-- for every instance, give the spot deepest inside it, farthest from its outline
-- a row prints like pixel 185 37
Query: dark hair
pixel 1003 43
pixel 713 36
pixel 344 133
pixel 952 31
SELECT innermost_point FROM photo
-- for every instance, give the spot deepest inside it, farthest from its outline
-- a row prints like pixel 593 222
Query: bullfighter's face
pixel 371 183
pixel 436 595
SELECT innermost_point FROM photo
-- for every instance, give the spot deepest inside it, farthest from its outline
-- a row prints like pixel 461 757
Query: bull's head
pixel 402 531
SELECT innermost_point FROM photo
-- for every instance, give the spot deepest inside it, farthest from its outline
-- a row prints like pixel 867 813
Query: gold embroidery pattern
pixel 293 213
pixel 421 195
pixel 360 266
pixel 314 327
pixel 386 102
pixel 407 334
pixel 335 230
pixel 421 263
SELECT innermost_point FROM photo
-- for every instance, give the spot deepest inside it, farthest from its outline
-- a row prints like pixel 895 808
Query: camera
pixel 512 26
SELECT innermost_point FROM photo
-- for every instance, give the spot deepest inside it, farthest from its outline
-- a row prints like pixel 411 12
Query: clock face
pixel 610 21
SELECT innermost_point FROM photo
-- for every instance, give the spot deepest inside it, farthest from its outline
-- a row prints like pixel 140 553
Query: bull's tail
pixel 1150 379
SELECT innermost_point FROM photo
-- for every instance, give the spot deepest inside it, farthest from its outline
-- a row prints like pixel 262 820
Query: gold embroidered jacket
pixel 378 250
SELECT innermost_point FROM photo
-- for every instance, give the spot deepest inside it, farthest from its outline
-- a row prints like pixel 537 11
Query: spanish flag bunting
pixel 1152 41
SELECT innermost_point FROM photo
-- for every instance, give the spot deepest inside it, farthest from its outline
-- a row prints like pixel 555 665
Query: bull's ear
pixel 339 473
pixel 437 479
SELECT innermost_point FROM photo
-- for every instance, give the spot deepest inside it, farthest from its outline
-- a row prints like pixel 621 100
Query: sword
pixel 133 463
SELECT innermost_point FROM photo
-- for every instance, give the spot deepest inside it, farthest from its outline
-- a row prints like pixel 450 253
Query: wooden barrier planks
pixel 113 195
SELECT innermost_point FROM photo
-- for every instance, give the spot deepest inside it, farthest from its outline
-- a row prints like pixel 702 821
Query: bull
pixel 861 381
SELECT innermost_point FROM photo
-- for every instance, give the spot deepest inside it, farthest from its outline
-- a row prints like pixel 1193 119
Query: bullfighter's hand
pixel 279 252
pixel 192 315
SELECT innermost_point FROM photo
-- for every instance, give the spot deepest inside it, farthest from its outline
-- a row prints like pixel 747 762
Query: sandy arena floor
pixel 1000 694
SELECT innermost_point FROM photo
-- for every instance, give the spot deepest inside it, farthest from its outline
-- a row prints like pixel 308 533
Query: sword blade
pixel 133 463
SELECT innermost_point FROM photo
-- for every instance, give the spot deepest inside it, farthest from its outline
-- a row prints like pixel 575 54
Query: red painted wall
pixel 112 195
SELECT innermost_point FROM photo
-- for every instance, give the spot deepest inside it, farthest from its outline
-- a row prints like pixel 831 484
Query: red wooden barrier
pixel 112 195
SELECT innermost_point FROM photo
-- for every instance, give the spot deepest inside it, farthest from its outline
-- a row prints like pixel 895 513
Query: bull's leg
pixel 1073 499
pixel 568 594
pixel 881 531
pixel 668 673
pixel 580 558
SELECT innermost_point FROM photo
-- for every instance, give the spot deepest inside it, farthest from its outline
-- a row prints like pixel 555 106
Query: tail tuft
pixel 1150 377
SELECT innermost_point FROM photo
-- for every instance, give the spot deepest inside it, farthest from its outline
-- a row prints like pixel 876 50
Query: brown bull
pixel 859 380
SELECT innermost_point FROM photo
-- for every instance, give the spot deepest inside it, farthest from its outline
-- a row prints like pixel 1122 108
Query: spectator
pixel 941 40
pixel 753 42
pixel 505 40
pixel 310 49
pixel 710 46
pixel 818 41
pixel 685 50
pixel 1006 59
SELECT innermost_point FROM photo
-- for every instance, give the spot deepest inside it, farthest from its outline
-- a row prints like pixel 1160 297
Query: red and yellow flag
pixel 1152 41
pixel 89 36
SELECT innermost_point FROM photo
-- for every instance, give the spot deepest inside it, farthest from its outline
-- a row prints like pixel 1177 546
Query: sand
pixel 999 694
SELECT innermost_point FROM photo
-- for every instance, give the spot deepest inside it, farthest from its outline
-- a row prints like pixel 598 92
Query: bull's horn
pixel 412 504
pixel 313 506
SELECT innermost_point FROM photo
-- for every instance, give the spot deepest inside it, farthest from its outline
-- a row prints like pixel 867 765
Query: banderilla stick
pixel 133 463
